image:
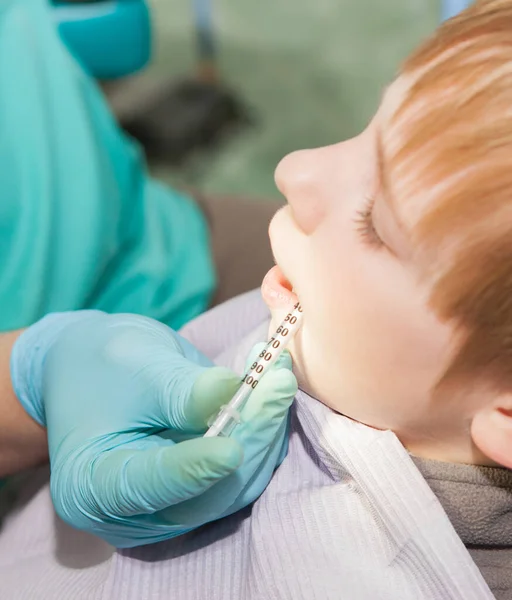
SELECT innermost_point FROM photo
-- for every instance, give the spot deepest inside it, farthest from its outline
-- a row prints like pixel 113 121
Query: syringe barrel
pixel 229 415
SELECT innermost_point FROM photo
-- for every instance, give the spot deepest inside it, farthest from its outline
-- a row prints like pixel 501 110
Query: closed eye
pixel 364 225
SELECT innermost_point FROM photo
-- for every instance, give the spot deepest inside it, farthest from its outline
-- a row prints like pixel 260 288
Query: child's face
pixel 369 347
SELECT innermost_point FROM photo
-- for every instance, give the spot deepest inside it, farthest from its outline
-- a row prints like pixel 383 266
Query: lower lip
pixel 275 290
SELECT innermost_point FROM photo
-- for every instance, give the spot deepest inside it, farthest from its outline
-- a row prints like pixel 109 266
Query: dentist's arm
pixel 22 441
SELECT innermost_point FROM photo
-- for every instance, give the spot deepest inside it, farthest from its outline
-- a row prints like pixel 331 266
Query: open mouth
pixel 276 289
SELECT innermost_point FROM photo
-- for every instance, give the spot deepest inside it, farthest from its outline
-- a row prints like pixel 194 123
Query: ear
pixel 491 431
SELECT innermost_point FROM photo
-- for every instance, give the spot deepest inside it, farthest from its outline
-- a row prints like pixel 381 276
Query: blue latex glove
pixel 125 401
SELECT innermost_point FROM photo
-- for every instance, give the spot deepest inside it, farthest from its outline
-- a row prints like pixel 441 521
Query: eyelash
pixel 364 225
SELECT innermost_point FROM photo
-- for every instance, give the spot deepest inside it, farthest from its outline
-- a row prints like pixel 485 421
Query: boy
pixel 397 245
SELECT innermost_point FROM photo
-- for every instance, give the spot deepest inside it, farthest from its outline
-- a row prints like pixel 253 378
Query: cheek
pixel 367 331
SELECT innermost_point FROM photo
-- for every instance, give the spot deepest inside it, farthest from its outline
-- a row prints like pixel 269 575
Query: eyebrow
pixel 386 198
pixel 383 183
pixel 384 188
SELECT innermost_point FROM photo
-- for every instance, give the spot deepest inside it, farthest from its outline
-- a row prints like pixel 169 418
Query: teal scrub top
pixel 82 225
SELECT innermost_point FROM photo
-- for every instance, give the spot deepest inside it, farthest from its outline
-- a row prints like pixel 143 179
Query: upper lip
pixel 288 283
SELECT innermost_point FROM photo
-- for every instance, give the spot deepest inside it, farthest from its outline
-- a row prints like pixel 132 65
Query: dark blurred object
pixel 189 116
pixel 192 115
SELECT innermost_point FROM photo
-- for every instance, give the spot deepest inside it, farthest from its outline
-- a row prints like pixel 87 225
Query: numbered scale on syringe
pixel 275 346
pixel 229 415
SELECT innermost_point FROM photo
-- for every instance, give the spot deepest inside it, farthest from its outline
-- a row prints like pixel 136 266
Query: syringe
pixel 229 415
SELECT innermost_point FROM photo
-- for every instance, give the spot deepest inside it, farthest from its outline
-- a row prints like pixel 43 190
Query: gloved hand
pixel 125 401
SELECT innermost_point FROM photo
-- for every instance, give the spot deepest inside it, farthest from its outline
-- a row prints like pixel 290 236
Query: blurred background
pixel 309 72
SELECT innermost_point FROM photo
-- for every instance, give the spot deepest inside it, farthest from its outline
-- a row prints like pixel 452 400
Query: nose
pixel 300 177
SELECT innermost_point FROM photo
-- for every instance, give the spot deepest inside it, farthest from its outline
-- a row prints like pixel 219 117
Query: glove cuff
pixel 28 357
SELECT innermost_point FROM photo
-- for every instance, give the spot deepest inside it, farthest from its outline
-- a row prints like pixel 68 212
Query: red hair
pixel 446 143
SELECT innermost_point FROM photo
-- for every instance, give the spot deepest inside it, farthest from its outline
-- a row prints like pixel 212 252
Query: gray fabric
pixel 347 515
pixel 478 502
